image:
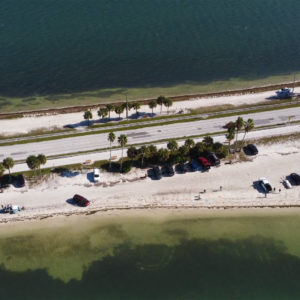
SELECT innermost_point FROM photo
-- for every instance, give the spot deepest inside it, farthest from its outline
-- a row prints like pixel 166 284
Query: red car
pixel 229 124
pixel 204 162
pixel 81 201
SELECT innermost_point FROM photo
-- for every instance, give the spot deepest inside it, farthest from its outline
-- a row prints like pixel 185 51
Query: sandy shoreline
pixel 135 191
pixel 25 125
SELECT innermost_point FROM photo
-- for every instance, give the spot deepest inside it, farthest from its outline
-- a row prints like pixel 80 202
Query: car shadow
pixel 69 174
pixel 90 176
pixel 71 201
pixel 258 187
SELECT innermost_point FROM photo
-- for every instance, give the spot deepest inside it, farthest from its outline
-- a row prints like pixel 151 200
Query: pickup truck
pixel 265 184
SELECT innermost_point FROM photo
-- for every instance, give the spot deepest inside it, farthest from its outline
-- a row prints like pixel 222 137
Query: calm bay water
pixel 222 256
pixel 55 46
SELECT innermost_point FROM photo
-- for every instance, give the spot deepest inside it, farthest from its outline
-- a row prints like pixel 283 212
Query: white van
pixel 96 175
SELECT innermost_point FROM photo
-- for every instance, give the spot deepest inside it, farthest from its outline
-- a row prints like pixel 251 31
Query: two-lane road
pixel 143 135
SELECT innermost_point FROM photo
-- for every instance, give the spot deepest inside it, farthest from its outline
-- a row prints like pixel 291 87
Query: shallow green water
pixel 55 46
pixel 194 257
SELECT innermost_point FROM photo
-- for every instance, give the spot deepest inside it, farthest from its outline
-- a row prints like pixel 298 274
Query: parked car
pixel 265 184
pixel 296 178
pixel 4 183
pixel 96 175
pixel 193 165
pixel 157 172
pixel 204 162
pixel 81 201
pixel 229 124
pixel 213 159
pixel 20 180
pixel 287 184
pixel 181 168
pixel 169 170
pixel 250 149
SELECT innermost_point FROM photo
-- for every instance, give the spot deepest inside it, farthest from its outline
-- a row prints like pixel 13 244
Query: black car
pixel 250 149
pixel 214 160
pixel 181 168
pixel 169 170
pixel 157 172
pixel 20 180
pixel 296 178
pixel 4 181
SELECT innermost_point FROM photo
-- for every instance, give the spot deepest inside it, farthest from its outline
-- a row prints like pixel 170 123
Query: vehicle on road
pixel 80 201
pixel 284 93
pixel 20 180
pixel 213 159
pixel 169 170
pixel 193 165
pixel 96 175
pixel 287 184
pixel 157 172
pixel 250 149
pixel 265 184
pixel 204 163
pixel 229 124
pixel 181 168
pixel 296 178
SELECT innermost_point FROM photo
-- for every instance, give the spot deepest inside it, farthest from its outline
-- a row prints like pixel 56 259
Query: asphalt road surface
pixel 143 135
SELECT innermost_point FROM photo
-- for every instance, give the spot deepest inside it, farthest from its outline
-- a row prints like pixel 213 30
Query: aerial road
pixel 144 135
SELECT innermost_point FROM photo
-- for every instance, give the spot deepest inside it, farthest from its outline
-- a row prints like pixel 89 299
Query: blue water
pixel 54 46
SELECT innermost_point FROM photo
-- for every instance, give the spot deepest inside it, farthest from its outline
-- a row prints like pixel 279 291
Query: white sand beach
pixel 227 186
pixel 28 124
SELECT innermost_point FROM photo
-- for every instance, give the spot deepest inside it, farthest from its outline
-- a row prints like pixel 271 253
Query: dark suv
pixel 81 201
pixel 169 170
pixel 296 178
pixel 181 168
pixel 250 149
pixel 213 159
pixel 20 180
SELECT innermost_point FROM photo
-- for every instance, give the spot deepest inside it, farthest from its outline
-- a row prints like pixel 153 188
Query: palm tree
pixel 42 160
pixel 132 152
pixel 122 140
pixel 163 155
pixel 230 136
pixel 111 138
pixel 87 116
pixel 144 152
pixel 136 106
pixel 119 109
pixel 239 124
pixel 208 141
pixel 152 104
pixel 2 169
pixel 109 108
pixel 102 112
pixel 160 100
pixel 248 126
pixel 8 163
pixel 172 145
pixel 189 143
pixel 168 102
pixel 33 163
pixel 184 151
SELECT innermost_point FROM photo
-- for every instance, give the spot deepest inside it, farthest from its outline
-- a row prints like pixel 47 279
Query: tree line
pixel 33 162
pixel 103 112
pixel 149 155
